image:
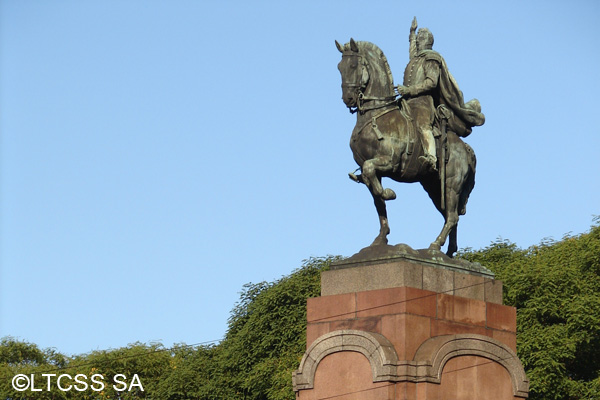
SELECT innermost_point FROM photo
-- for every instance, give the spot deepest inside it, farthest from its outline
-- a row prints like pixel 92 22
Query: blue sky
pixel 157 155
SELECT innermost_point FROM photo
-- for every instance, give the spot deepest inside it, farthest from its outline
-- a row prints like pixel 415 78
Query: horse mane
pixel 376 54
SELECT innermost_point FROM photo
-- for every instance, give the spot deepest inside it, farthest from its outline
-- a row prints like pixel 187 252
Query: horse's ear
pixel 339 47
pixel 353 45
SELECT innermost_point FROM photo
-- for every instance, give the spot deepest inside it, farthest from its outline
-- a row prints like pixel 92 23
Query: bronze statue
pixel 395 139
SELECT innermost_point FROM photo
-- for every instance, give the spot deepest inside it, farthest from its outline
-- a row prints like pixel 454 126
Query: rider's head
pixel 424 39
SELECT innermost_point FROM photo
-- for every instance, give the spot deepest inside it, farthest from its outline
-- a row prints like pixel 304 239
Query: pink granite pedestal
pixel 406 329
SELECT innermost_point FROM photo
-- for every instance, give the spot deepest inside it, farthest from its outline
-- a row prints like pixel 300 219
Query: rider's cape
pixel 469 114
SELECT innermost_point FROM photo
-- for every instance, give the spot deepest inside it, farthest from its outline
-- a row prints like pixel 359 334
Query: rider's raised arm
pixel 412 39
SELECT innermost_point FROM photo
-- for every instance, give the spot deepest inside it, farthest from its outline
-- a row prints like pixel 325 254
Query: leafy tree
pixel 20 357
pixel 554 285
pixel 149 362
pixel 267 334
pixel 556 289
pixel 14 352
pixel 195 373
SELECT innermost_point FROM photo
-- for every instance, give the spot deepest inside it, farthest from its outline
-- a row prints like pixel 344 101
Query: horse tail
pixel 469 182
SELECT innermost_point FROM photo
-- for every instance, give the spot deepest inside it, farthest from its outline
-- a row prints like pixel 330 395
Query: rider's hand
pixel 403 90
pixel 413 26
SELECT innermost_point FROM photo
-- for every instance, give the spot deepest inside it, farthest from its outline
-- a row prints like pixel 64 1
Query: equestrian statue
pixel 416 138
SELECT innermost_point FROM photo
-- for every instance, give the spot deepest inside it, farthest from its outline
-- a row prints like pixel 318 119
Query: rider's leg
pixel 429 146
pixel 422 112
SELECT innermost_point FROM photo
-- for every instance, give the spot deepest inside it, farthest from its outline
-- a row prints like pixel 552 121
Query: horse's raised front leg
pixel 370 177
pixel 384 228
pixel 371 170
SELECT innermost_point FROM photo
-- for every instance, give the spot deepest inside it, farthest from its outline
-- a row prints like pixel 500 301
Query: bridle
pixel 360 86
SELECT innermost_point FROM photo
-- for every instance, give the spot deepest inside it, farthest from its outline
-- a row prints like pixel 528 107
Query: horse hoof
pixel 388 194
pixel 434 246
pixel 355 178
pixel 380 242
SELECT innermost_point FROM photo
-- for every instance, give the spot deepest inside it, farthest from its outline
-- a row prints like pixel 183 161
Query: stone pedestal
pixel 408 327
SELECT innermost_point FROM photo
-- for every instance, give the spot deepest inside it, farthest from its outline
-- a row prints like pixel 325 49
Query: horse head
pixel 366 75
pixel 355 74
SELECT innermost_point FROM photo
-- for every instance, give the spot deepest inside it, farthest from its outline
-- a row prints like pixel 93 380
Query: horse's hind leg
pixel 452 244
pixel 451 222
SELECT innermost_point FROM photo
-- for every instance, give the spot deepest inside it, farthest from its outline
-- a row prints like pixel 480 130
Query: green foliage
pixel 149 362
pixel 195 373
pixel 19 357
pixel 14 352
pixel 556 289
pixel 263 345
pixel 267 334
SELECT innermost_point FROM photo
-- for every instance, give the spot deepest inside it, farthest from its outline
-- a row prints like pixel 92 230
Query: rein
pixel 361 108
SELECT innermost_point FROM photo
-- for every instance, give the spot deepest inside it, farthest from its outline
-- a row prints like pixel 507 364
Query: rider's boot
pixel 429 159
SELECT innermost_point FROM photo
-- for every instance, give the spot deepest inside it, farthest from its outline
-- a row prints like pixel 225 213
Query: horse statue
pixel 386 143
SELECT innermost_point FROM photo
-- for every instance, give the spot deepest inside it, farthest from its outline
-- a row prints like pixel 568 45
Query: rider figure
pixel 428 84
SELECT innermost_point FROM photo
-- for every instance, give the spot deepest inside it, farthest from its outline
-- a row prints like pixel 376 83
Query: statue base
pixel 403 324
pixel 383 254
pixel 382 267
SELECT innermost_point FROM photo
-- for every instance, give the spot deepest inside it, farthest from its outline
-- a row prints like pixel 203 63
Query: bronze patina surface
pixel 416 138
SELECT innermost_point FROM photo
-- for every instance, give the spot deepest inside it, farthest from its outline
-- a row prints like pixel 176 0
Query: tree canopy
pixel 556 288
pixel 554 285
